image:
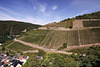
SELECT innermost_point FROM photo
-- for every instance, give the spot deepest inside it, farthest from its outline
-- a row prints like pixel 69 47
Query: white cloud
pixel 9 11
pixel 54 7
pixel 33 20
pixel 4 16
pixel 42 8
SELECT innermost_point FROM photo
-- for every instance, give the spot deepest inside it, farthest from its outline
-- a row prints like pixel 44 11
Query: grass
pixel 35 36
pixel 90 36
pixel 73 38
pixel 91 23
pixel 19 47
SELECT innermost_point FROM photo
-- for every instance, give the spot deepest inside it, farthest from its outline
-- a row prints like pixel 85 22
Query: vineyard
pixel 73 38
pixel 34 36
pixel 19 47
pixel 57 39
pixel 54 39
pixel 91 23
pixel 90 36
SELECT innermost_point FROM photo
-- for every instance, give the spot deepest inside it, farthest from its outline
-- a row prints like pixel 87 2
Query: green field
pixel 34 36
pixel 90 36
pixel 19 47
pixel 91 23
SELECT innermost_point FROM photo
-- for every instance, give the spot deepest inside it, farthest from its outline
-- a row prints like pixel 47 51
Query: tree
pixel 41 53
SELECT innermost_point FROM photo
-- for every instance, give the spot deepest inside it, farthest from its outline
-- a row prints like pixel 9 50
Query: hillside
pixel 55 38
pixel 67 23
pixel 14 28
pixel 94 15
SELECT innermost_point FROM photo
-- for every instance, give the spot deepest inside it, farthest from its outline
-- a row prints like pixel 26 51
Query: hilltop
pixel 12 28
pixel 67 23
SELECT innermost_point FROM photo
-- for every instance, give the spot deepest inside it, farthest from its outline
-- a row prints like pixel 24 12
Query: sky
pixel 45 11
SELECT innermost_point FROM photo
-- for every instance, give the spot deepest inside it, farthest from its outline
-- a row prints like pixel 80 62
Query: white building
pixel 0 44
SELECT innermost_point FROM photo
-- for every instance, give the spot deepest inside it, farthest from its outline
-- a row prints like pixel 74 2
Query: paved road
pixel 45 49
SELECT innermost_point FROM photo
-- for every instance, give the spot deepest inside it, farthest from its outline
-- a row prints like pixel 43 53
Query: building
pixel 12 61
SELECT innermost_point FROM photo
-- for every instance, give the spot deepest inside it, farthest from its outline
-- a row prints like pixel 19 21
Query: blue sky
pixel 45 11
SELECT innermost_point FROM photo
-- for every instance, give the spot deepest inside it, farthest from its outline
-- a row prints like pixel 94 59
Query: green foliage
pixel 95 15
pixel 7 43
pixel 41 53
pixel 16 26
pixel 92 58
pixel 32 62
pixel 3 49
pixel 64 46
pixel 57 60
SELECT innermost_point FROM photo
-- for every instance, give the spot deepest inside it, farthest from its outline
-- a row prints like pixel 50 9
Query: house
pixel 24 58
pixel 39 57
pixel 16 63
pixel 12 61
pixel 24 30
pixel 0 44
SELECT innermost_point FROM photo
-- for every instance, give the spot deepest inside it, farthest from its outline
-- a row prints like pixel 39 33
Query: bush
pixel 64 46
pixel 41 53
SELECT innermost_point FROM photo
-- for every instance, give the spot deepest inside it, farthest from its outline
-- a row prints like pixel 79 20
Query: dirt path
pixel 44 49
pixel 54 50
pixel 79 39
pixel 32 51
pixel 9 44
pixel 80 46
pixel 48 38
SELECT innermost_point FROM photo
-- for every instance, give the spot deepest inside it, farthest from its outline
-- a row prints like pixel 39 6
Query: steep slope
pixel 14 28
pixel 94 15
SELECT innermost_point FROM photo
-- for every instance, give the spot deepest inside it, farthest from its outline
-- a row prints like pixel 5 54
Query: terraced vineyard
pixel 57 39
pixel 19 47
pixel 35 36
pixel 73 38
pixel 90 36
pixel 54 39
pixel 61 24
pixel 91 23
